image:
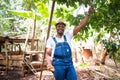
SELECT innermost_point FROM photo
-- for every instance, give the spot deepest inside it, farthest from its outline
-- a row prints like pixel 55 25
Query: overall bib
pixel 62 61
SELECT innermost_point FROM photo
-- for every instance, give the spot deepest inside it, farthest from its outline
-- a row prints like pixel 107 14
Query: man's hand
pixel 91 9
pixel 50 67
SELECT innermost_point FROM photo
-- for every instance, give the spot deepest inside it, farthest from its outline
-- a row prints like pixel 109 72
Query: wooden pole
pixel 49 26
pixel 6 56
pixel 48 33
pixel 33 36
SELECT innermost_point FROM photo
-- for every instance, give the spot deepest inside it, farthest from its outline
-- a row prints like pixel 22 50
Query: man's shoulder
pixel 50 38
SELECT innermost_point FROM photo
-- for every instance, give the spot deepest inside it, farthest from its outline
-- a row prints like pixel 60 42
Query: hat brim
pixel 60 23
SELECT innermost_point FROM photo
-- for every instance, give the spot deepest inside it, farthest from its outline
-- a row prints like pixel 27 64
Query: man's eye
pixel 61 26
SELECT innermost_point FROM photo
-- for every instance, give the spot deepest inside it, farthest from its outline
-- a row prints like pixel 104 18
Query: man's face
pixel 60 28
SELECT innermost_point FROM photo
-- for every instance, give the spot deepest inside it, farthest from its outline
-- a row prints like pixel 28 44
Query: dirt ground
pixel 84 72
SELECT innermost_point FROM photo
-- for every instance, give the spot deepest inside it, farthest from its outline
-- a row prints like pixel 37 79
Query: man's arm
pixel 48 56
pixel 83 22
pixel 49 59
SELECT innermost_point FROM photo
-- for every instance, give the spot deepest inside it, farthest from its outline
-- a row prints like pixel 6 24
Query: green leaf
pixel 25 14
pixel 42 9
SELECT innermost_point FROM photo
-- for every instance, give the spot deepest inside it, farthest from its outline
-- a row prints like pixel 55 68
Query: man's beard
pixel 60 33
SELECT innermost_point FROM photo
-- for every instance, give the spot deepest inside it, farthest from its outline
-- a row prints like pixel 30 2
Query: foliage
pixel 106 15
pixel 25 10
pixel 25 14
pixel 113 47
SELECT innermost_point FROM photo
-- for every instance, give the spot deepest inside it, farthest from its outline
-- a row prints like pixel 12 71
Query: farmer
pixel 58 50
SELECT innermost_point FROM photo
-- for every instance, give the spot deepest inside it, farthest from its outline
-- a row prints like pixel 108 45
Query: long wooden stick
pixel 48 33
pixel 33 33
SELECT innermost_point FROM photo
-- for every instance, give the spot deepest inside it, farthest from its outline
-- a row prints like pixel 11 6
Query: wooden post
pixel 6 56
pixel 34 28
pixel 104 54
pixel 49 27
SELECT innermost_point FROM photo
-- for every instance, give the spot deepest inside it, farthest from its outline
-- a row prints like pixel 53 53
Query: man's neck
pixel 59 35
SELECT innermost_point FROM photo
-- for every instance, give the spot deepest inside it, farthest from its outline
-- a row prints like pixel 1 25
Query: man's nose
pixel 61 26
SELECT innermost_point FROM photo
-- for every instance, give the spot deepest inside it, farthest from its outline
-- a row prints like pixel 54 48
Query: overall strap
pixel 65 39
pixel 54 39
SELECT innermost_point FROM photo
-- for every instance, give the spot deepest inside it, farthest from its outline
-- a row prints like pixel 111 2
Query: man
pixel 58 50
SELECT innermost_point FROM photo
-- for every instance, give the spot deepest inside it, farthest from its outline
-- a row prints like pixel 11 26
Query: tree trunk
pixel 34 28
pixel 104 54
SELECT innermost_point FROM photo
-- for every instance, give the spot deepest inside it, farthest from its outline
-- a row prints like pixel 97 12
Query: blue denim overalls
pixel 62 61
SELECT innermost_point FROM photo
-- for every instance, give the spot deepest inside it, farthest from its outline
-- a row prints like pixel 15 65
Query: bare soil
pixel 86 72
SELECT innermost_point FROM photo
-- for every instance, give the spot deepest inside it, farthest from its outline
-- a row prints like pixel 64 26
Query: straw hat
pixel 60 21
